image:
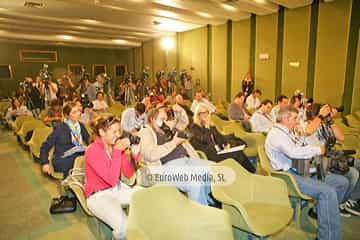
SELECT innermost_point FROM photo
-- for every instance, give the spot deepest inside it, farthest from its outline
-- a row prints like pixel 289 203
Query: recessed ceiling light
pixel 260 1
pixel 65 37
pixel 81 27
pixel 228 7
pixel 119 41
pixel 3 9
pixel 170 3
pixel 92 21
pixel 165 13
pixel 204 14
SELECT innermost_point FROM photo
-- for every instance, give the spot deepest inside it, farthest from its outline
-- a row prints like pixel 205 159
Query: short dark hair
pixel 239 95
pixel 103 122
pixel 140 107
pixel 99 93
pixel 258 91
pixel 68 107
pixel 293 98
pixel 266 102
pixel 312 111
pixel 280 98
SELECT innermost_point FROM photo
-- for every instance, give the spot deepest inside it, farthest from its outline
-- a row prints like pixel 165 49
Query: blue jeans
pixel 327 205
pixel 198 192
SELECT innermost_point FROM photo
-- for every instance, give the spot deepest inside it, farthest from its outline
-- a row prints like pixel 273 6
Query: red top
pixel 101 171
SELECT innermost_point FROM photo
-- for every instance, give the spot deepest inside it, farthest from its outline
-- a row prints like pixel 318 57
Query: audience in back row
pixel 199 98
pixel 261 120
pixel 16 109
pixel 253 100
pixel 281 101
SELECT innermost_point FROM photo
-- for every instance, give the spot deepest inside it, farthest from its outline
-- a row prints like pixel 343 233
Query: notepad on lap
pixel 233 149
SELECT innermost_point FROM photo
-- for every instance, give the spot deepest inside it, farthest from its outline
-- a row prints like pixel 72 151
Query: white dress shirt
pixel 261 122
pixel 252 102
pixel 210 106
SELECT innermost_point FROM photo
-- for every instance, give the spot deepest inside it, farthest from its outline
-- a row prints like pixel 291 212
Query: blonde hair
pixel 201 107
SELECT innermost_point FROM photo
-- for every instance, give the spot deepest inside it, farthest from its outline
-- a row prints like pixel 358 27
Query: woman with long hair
pixel 208 139
pixel 106 159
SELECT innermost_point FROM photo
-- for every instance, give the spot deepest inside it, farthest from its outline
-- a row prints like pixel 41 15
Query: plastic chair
pixel 201 154
pixel 352 121
pixel 258 205
pixel 28 126
pixel 38 137
pixel 253 140
pixel 184 219
pixel 265 167
pixel 20 120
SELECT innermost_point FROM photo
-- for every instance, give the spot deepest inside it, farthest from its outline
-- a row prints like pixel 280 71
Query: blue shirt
pixel 281 146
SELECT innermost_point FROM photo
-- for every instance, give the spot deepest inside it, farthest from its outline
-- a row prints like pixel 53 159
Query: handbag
pixel 63 204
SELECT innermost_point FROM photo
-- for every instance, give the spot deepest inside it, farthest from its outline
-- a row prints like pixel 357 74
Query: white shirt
pixel 281 147
pixel 209 105
pixel 129 120
pixel 261 122
pixel 252 102
pixel 100 105
pixel 274 111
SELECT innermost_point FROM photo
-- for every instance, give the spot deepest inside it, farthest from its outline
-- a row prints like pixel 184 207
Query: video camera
pixel 45 74
pixel 134 140
pixel 85 102
pixel 170 133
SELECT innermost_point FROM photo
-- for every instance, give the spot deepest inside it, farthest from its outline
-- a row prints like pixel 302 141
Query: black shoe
pixel 312 213
pixel 352 207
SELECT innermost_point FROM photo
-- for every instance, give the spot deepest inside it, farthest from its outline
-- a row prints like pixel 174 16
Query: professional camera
pixel 85 102
pixel 170 133
pixel 45 74
pixel 134 140
pixel 144 75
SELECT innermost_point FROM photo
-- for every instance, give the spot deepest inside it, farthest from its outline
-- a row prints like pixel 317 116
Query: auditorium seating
pixel 162 212
pixel 257 204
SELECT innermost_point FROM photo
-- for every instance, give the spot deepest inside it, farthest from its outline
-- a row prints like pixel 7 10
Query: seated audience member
pixel 97 86
pixel 321 129
pixel 100 104
pixel 105 161
pixel 87 114
pixel 206 138
pixel 200 98
pixel 281 147
pixel 281 102
pixel 261 120
pixel 156 96
pixel 180 101
pixel 169 153
pixel 133 119
pixel 147 102
pixel 54 114
pixel 68 139
pixel 296 102
pixel 253 100
pixel 16 110
pixel 237 110
pixel 120 92
pixel 177 117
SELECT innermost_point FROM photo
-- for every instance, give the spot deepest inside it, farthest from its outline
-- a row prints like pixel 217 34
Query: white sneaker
pixel 343 212
pixel 352 207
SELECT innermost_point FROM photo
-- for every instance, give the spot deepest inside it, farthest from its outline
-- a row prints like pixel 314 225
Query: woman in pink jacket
pixel 105 161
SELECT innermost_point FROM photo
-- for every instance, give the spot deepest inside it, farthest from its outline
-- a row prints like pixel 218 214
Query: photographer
pixel 133 119
pixel 321 129
pixel 172 153
pixel 88 113
pixel 65 88
pixel 206 138
pixel 97 86
pixel 106 159
pixel 32 96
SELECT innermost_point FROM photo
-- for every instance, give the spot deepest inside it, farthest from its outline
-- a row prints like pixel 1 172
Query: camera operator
pixel 106 159
pixel 88 113
pixel 186 82
pixel 97 86
pixel 322 129
pixel 65 88
pixel 170 154
pixel 32 96
pixel 133 119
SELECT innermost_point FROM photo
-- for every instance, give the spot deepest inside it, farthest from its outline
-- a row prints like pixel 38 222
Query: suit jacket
pixel 60 139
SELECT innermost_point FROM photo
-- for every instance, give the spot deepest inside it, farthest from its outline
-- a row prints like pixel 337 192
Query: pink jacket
pixel 101 172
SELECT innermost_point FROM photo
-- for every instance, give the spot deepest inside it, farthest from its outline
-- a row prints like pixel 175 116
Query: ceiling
pixel 120 23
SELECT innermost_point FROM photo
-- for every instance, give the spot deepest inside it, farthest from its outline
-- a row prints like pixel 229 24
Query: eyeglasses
pixel 205 112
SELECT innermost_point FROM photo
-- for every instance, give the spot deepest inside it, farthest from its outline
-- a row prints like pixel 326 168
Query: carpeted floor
pixel 26 193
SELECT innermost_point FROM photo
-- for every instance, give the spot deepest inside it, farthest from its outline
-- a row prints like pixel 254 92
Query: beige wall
pixel 219 61
pixel 356 94
pixel 266 42
pixel 240 54
pixel 295 49
pixel 193 52
pixel 332 37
